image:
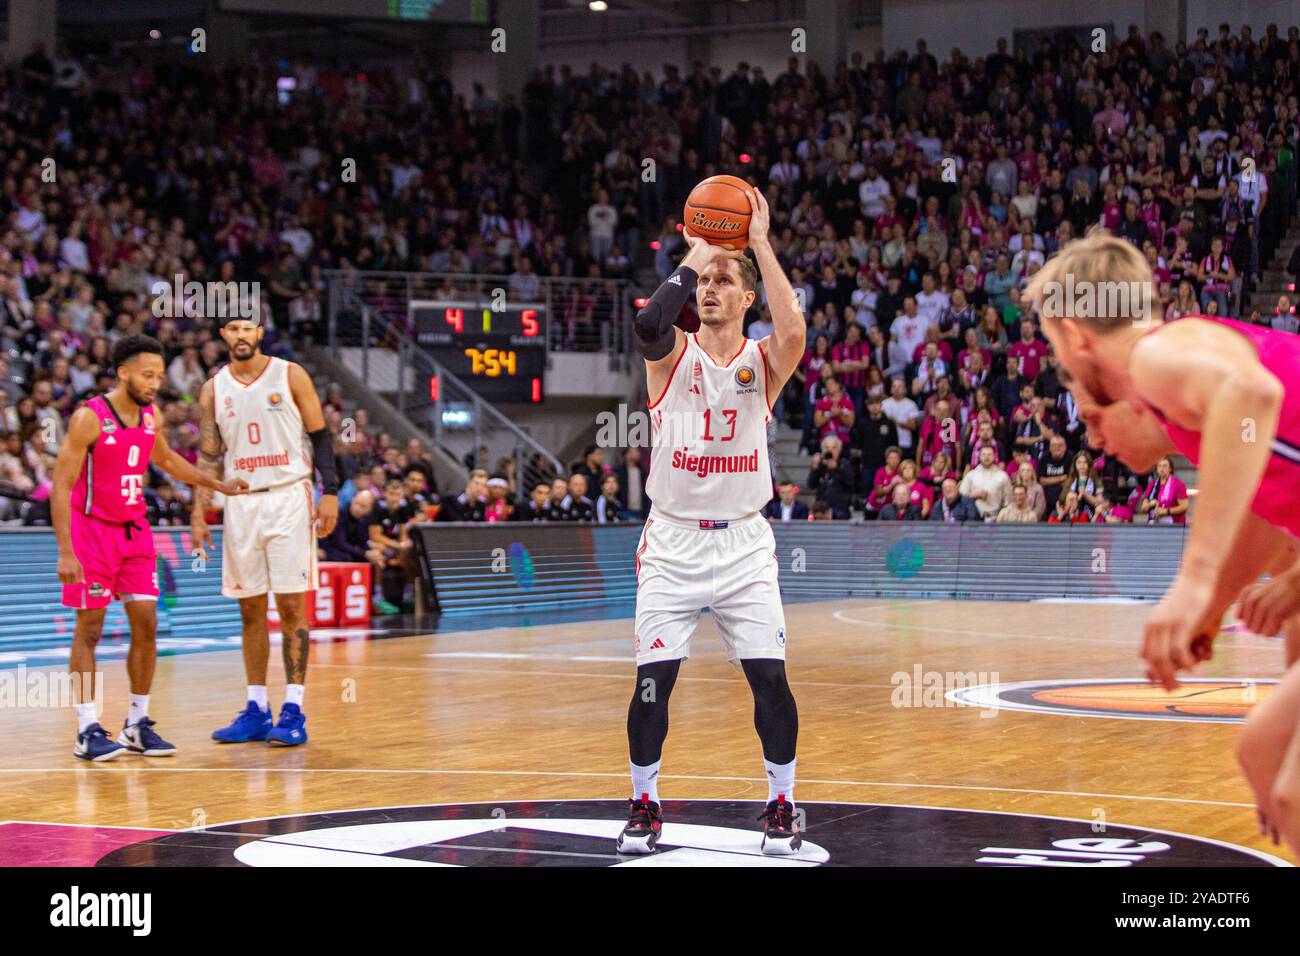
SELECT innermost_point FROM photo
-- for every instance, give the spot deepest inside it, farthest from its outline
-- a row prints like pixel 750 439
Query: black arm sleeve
pixel 654 324
pixel 323 455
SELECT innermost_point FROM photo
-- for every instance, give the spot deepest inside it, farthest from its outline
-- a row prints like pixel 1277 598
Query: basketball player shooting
pixel 264 412
pixel 705 543
pixel 106 549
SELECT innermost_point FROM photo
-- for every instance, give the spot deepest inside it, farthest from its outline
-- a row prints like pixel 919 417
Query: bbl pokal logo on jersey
pixel 275 400
pixel 148 423
pixel 745 379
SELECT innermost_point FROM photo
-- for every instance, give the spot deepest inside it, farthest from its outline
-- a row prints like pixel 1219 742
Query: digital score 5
pixel 499 353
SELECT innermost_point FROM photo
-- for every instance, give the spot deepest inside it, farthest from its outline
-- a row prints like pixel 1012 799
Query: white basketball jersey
pixel 261 427
pixel 709 435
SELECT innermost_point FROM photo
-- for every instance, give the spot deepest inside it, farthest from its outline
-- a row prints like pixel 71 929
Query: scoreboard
pixel 499 353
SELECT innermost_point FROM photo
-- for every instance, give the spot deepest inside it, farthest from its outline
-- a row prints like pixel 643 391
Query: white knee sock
pixel 780 780
pixel 86 715
pixel 645 780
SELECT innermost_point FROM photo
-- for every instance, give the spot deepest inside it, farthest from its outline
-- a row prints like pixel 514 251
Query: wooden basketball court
pixel 538 713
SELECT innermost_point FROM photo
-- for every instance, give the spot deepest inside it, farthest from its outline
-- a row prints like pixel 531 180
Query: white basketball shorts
pixel 683 568
pixel 269 542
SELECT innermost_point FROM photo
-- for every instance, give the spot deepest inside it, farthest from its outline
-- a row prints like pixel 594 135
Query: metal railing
pixel 457 420
pixel 582 315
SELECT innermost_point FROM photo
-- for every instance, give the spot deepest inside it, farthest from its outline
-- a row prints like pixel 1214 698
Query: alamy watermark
pixel 922 688
pixel 1091 300
pixel 213 300
pixel 43 689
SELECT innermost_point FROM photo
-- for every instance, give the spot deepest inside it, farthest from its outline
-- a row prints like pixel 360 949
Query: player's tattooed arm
pixel 83 432
pixel 209 464
pixel 165 457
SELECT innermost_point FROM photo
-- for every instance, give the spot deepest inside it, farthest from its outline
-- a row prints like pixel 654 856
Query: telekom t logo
pixel 131 485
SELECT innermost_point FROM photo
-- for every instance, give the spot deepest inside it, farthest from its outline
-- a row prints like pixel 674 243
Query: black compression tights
pixel 647 715
pixel 775 716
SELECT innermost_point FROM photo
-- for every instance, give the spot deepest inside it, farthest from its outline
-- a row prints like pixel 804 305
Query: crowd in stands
pixel 911 201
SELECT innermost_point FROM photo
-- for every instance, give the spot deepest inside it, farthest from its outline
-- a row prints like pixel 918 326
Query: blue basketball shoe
pixel 142 739
pixel 291 729
pixel 94 744
pixel 252 723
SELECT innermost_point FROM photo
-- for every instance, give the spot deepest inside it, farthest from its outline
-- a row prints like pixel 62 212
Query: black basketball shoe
pixel 644 823
pixel 780 832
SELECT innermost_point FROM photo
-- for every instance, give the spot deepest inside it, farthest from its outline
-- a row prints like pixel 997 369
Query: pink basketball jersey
pixel 111 484
pixel 1279 489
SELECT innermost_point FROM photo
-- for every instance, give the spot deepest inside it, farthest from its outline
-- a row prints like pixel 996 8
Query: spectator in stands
pixel 876 434
pixel 880 490
pixel 987 485
pixel 919 491
pixel 1018 510
pixel 1006 388
pixel 1067 510
pixel 391 548
pixel 1027 475
pixel 631 479
pixel 592 465
pixel 1217 274
pixel 497 506
pixel 832 477
pixel 469 505
pixel 415 487
pixel 1084 481
pixel 905 414
pixel 576 506
pixel 1165 499
pixel 952 506
pixel 834 415
pixel 536 507
pixel 350 539
pixel 1284 317
pixel 609 507
pixel 900 507
pixel 1108 512
pixel 785 506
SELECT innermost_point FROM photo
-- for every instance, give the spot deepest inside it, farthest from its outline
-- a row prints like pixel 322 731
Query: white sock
pixel 86 716
pixel 780 780
pixel 139 708
pixel 257 694
pixel 645 780
pixel 293 693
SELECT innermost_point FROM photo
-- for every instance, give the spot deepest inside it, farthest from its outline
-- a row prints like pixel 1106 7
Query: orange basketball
pixel 717 211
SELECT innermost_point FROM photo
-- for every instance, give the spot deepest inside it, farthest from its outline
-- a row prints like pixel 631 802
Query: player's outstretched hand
pixel 1176 635
pixel 232 488
pixel 759 217
pixel 327 515
pixel 200 538
pixel 1266 606
pixel 70 569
